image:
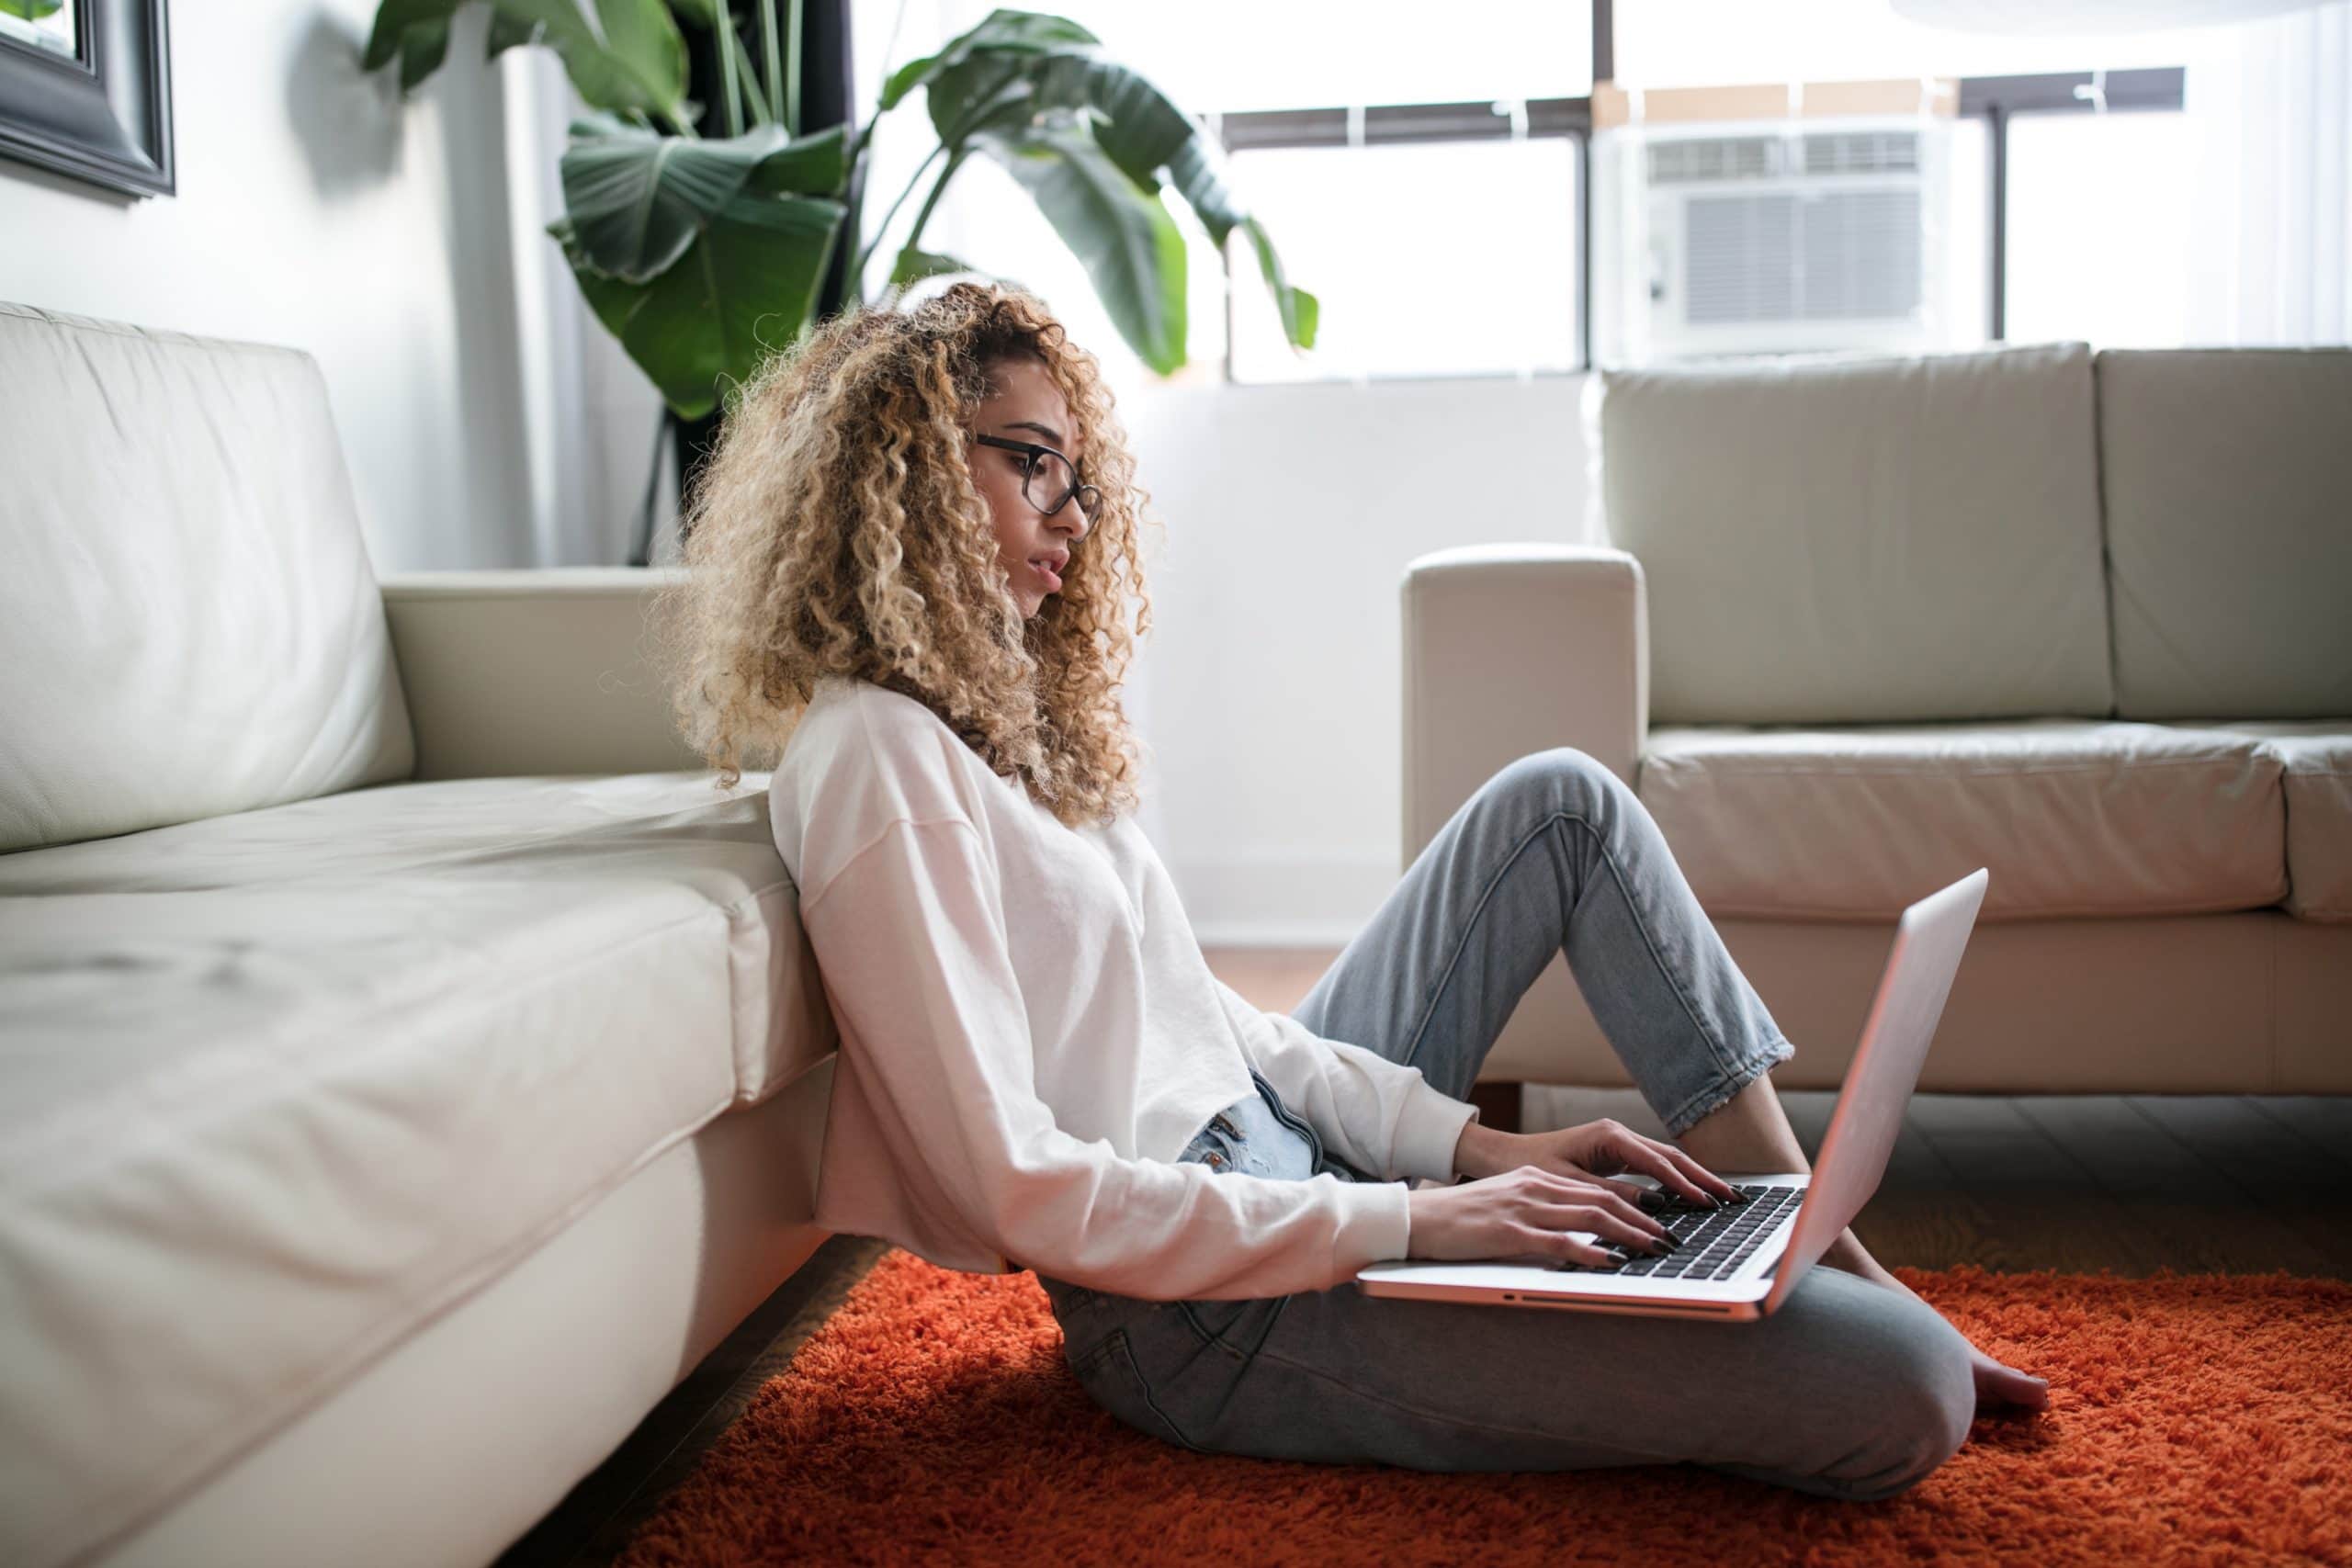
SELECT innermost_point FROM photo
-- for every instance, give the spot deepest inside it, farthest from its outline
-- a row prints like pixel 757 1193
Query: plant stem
pixel 857 268
pixel 954 161
pixel 730 94
pixel 740 65
pixel 792 82
pixel 781 68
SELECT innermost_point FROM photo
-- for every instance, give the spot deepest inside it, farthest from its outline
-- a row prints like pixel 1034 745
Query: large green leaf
pixel 814 164
pixel 415 32
pixel 745 287
pixel 1137 125
pixel 423 48
pixel 914 265
pixel 508 32
pixel 1120 232
pixel 637 61
pixel 1017 32
pixel 1194 172
pixel 1300 311
pixel 637 199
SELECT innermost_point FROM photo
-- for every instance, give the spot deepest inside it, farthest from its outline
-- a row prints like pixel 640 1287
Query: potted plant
pixel 702 254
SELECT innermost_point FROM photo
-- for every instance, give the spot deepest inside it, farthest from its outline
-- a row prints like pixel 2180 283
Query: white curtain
pixel 590 414
pixel 2274 239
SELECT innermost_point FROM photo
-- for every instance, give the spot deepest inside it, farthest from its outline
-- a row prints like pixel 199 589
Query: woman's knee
pixel 1878 1391
pixel 1561 776
pixel 1915 1398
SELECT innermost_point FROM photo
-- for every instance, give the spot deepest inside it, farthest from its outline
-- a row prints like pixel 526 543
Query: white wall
pixel 316 210
pixel 1272 675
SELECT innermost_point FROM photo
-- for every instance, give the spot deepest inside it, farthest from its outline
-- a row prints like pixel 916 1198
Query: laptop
pixel 1741 1261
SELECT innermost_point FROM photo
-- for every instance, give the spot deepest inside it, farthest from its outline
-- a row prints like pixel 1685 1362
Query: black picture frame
pixel 103 117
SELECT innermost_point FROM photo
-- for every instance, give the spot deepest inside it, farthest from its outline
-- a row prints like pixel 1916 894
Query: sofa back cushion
pixel 190 622
pixel 2228 476
pixel 1846 539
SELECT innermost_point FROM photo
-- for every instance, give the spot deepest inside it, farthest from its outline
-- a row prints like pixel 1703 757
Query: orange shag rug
pixel 931 1418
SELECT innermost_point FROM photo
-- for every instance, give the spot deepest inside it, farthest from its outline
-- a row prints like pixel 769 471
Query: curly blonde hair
pixel 836 529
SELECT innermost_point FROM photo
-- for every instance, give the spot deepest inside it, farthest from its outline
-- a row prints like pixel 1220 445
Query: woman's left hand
pixel 1590 1152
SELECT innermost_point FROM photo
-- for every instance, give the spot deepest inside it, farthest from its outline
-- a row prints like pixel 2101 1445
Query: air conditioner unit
pixel 1776 237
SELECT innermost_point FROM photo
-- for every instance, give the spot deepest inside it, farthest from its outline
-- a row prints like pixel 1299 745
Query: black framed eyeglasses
pixel 1047 478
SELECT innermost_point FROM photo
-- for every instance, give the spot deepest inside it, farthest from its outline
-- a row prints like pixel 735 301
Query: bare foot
pixel 1996 1382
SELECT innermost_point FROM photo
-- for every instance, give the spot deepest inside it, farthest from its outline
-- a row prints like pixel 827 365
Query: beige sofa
pixel 410 1064
pixel 1864 625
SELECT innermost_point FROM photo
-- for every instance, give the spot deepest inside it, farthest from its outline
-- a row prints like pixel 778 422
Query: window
pixel 1434 258
pixel 1747 177
pixel 1432 250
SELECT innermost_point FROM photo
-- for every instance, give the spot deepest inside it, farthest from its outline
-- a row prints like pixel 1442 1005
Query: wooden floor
pixel 2127 1183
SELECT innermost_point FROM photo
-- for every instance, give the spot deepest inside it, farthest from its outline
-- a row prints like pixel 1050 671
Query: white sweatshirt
pixel 1030 1036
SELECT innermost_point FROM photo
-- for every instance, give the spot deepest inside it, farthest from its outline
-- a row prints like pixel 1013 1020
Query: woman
pixel 909 562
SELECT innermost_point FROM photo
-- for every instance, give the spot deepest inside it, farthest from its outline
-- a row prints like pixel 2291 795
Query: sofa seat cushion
pixel 276 1087
pixel 2072 817
pixel 2317 756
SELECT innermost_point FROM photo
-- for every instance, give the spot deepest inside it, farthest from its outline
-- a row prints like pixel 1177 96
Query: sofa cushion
pixel 2317 756
pixel 276 1088
pixel 1843 539
pixel 2072 818
pixel 2228 476
pixel 190 624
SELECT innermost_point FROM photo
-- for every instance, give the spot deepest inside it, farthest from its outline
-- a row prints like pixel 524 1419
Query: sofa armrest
pixel 534 672
pixel 1517 648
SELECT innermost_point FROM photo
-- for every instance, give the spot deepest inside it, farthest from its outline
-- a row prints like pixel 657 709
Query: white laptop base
pixel 1536 1284
pixel 1929 940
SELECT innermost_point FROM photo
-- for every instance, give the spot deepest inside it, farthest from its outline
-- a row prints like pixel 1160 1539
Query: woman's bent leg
pixel 1553 851
pixel 1849 1389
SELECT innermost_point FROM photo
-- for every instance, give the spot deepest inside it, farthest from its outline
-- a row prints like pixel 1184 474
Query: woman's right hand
pixel 1526 1214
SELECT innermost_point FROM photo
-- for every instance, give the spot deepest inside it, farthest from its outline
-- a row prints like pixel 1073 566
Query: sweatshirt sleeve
pixel 909 936
pixel 1380 1116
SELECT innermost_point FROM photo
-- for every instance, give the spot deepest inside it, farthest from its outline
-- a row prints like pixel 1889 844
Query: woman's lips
pixel 1053 580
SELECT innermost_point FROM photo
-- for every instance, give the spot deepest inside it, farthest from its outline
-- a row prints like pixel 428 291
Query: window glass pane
pixel 2099 234
pixel 1221 56
pixel 1428 258
pixel 1691 43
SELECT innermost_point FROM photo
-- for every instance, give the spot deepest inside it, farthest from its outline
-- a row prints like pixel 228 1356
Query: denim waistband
pixel 1257 1136
pixel 1260 1136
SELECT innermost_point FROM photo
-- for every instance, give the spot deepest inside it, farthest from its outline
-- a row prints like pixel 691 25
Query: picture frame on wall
pixel 85 91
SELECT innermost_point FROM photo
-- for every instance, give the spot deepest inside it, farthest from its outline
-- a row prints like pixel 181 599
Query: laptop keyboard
pixel 1716 1242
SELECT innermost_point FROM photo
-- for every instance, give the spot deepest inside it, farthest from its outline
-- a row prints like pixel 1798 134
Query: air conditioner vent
pixel 1704 160
pixel 1827 256
pixel 1709 158
pixel 1863 152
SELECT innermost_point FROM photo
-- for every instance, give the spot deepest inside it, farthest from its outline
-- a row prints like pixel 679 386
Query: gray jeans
pixel 1849 1389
